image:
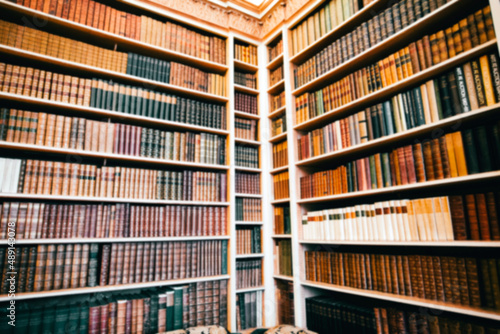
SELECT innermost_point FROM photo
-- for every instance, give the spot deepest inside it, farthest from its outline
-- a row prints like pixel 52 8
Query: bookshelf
pixel 442 17
pixel 212 95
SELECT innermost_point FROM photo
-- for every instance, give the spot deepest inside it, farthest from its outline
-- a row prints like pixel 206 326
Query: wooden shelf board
pixel 248 195
pixel 487 244
pixel 280 201
pixel 275 63
pixel 247 142
pixel 111 240
pixel 245 115
pixel 408 134
pixel 243 89
pixel 102 155
pixel 248 223
pixel 248 169
pixel 351 22
pixel 281 236
pixel 132 44
pixel 395 88
pixel 105 200
pixel 278 138
pixel 461 180
pixel 279 169
pixel 442 306
pixel 241 65
pixel 277 87
pixel 257 288
pixel 110 288
pixel 337 72
pixel 115 115
pixel 116 76
pixel 277 112
pixel 249 256
pixel 283 277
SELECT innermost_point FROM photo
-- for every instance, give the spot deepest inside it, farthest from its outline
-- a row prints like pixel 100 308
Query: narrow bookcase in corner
pixel 248 219
pixel 397 172
pixel 278 165
pixel 113 168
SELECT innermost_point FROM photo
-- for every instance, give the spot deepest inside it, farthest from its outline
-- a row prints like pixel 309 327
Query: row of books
pixel 465 281
pixel 324 314
pixel 41 42
pixel 245 79
pixel 248 209
pixel 70 179
pixel 468 217
pixel 176 74
pixel 247 183
pixel 465 88
pixel 322 21
pixel 67 221
pixel 248 240
pixel 54 267
pixel 246 103
pixel 105 95
pixel 278 125
pixel 246 53
pixel 249 309
pixel 247 156
pixel 60 131
pixel 283 264
pixel 136 311
pixel 276 76
pixel 282 219
pixel 415 57
pixel 455 154
pixel 284 296
pixel 280 154
pixel 161 261
pixel 166 35
pixel 277 101
pixel 281 185
pixel 245 128
pixel 248 273
pixel 275 50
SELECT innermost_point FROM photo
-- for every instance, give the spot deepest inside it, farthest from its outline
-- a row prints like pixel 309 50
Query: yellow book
pixel 451 155
pixel 487 82
pixel 458 147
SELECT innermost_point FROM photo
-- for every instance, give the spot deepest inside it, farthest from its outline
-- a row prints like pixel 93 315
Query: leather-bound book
pixel 472 218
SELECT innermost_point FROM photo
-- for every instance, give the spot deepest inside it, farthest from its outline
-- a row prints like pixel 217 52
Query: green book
pixel 61 318
pixel 73 323
pixel 437 94
pixel 224 258
pixel 386 169
pixel 35 322
pixel 49 317
pixel 373 171
pixel 446 98
pixel 389 121
pixel 22 318
pixel 417 98
pixel 84 318
pixel 178 307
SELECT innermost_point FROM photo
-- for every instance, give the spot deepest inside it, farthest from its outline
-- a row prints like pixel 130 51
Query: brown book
pixel 493 216
pixel 473 281
pixel 428 161
pixel 472 218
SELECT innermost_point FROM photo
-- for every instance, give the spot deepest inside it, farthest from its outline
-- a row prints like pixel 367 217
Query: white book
pixel 407 228
pixel 439 219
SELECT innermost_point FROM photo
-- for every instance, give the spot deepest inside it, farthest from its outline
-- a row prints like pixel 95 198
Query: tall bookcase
pixel 316 237
pixel 207 156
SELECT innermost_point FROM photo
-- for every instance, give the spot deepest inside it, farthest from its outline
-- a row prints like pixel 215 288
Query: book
pixel 248 240
pixel 248 273
pixel 248 209
pixel 247 183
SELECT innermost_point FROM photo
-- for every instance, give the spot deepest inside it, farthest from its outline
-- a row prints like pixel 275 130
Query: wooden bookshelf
pixel 392 140
pixel 109 288
pixel 277 87
pixel 77 110
pixel 426 25
pixel 276 112
pixel 245 115
pixel 278 138
pixel 111 156
pixel 243 66
pixel 243 89
pixel 97 35
pixel 112 240
pixel 430 304
pixel 428 185
pixel 384 93
pixel 275 63
pixel 67 65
